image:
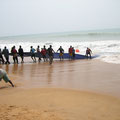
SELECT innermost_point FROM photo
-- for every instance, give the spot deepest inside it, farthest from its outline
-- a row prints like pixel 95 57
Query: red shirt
pixel 14 51
pixel 70 50
pixel 43 52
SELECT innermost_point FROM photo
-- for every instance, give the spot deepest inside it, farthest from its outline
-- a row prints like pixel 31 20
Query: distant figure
pixel 3 75
pixel 70 50
pixel 6 55
pixel 32 50
pixel 88 52
pixel 39 53
pixel 43 52
pixel 46 53
pixel 51 54
pixel 73 53
pixel 1 57
pixel 61 52
pixel 21 53
pixel 14 53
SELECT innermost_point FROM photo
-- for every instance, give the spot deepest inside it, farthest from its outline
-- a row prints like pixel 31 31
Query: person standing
pixel 46 58
pixel 21 53
pixel 15 56
pixel 1 57
pixel 61 52
pixel 70 50
pixel 6 55
pixel 50 53
pixel 73 53
pixel 32 50
pixel 3 75
pixel 39 53
pixel 43 52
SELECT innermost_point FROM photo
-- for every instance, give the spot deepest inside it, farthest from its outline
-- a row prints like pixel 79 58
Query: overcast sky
pixel 45 16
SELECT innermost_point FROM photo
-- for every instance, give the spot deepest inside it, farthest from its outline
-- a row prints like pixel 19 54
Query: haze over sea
pixel 104 43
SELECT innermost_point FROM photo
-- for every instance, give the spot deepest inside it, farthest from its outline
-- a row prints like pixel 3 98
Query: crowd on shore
pixel 44 53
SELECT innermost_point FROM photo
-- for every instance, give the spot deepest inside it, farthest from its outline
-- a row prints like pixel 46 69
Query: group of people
pixel 71 51
pixel 43 53
pixel 46 54
pixel 14 53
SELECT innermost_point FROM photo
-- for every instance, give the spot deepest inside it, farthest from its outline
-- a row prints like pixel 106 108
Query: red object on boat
pixel 77 50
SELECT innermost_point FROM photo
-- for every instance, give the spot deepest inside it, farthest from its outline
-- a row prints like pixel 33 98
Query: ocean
pixel 103 43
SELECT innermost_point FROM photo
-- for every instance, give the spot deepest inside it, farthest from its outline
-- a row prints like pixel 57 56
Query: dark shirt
pixel 21 52
pixel 50 51
pixel 61 50
pixel 6 52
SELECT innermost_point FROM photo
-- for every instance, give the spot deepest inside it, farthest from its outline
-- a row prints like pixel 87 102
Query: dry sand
pixel 67 90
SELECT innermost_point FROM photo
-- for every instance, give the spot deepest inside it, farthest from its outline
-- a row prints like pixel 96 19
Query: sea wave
pixel 108 51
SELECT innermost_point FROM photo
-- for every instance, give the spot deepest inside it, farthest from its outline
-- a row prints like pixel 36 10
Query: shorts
pixel 33 55
pixel 5 78
pixel 70 54
pixel 61 54
pixel 15 55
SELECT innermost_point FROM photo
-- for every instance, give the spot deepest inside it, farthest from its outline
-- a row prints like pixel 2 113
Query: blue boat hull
pixel 66 56
pixel 56 55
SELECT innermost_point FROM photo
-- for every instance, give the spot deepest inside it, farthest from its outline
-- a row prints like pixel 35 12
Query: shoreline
pixel 65 90
pixel 84 75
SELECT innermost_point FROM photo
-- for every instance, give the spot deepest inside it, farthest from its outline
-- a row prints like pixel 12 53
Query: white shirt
pixel 2 73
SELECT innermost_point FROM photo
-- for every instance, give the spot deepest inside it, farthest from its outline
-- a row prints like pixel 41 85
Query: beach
pixel 87 87
pixel 65 90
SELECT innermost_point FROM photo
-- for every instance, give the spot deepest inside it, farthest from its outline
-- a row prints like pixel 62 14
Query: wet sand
pixel 65 90
pixel 85 75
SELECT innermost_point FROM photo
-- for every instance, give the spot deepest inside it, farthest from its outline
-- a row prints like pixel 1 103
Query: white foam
pixel 111 58
pixel 109 50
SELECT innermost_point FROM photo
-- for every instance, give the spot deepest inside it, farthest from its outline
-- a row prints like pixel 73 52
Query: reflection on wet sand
pixel 91 75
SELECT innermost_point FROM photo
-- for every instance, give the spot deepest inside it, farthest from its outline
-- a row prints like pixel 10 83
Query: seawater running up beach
pixel 103 43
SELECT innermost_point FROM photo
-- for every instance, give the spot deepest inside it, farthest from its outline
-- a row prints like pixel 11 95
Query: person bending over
pixel 3 75
pixel 88 52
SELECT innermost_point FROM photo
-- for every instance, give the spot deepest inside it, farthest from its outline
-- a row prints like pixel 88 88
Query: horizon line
pixel 89 30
